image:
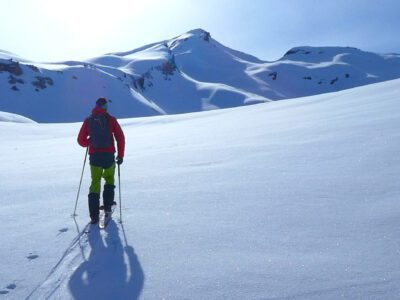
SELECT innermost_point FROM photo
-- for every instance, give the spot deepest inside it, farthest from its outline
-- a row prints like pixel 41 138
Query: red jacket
pixel 115 130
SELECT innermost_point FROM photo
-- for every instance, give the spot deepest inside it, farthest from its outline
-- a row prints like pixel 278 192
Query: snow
pixel 7 117
pixel 11 56
pixel 188 73
pixel 293 199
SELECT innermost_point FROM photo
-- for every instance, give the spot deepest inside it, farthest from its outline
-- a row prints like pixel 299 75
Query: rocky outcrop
pixel 42 82
pixel 12 67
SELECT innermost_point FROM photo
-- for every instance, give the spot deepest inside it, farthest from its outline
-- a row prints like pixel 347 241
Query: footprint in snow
pixel 32 256
pixel 8 287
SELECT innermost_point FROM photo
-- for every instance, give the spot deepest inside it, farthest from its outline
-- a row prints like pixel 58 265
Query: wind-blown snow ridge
pixel 188 73
pixel 7 117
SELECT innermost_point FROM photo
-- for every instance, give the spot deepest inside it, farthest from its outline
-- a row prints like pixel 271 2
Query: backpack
pixel 99 131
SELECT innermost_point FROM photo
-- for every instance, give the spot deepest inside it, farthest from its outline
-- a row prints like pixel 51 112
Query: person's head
pixel 102 102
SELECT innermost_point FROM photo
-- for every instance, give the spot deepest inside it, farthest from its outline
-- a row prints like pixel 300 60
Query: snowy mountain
pixel 285 200
pixel 188 73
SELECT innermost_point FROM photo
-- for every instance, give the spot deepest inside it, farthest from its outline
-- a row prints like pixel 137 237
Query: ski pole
pixel 119 190
pixel 80 183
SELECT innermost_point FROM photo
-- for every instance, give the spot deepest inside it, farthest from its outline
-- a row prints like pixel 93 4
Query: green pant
pixel 97 173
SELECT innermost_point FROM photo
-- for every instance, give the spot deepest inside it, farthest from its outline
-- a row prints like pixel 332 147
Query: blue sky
pixel 48 30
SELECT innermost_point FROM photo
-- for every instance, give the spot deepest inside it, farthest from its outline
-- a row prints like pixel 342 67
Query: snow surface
pixel 282 200
pixel 189 73
pixel 7 117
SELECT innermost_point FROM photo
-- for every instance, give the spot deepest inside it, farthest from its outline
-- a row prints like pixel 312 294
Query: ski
pixel 104 218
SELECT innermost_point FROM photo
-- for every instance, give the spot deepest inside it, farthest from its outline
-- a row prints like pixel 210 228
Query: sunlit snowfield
pixel 293 199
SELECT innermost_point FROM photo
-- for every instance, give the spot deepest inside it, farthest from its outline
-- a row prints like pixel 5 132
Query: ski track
pixel 60 272
pixel 98 264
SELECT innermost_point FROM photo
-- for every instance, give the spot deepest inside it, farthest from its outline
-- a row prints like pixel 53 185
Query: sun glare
pixel 81 29
pixel 89 21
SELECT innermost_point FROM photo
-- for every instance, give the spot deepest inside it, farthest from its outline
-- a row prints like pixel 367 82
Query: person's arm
pixel 84 134
pixel 120 138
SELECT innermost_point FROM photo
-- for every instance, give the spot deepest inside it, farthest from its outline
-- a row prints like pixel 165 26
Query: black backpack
pixel 99 131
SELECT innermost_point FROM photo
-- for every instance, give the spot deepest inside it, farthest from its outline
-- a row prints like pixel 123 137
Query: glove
pixel 119 160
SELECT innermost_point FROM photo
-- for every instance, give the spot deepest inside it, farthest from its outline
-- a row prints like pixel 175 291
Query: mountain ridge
pixel 188 73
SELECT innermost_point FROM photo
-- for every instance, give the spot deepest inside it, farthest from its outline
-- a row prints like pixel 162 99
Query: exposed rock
pixel 296 50
pixel 12 67
pixel 34 68
pixel 140 83
pixel 333 81
pixel 273 75
pixel 14 80
pixel 42 82
pixel 206 36
pixel 167 68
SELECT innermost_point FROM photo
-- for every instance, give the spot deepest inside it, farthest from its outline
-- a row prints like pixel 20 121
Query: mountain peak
pixel 199 33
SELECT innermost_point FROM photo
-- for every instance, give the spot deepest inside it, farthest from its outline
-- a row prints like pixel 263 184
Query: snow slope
pixel 7 117
pixel 191 72
pixel 282 200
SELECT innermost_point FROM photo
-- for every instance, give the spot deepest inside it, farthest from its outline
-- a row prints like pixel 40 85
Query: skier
pixel 98 132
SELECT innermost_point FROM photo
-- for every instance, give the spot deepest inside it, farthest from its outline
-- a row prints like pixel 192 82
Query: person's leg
pixel 94 206
pixel 96 174
pixel 108 193
pixel 94 192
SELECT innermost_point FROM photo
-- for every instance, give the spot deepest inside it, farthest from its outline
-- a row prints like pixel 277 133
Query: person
pixel 98 132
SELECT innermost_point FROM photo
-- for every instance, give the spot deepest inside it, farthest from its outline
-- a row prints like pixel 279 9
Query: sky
pixel 49 31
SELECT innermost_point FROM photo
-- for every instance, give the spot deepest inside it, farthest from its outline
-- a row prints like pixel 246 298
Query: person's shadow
pixel 112 271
